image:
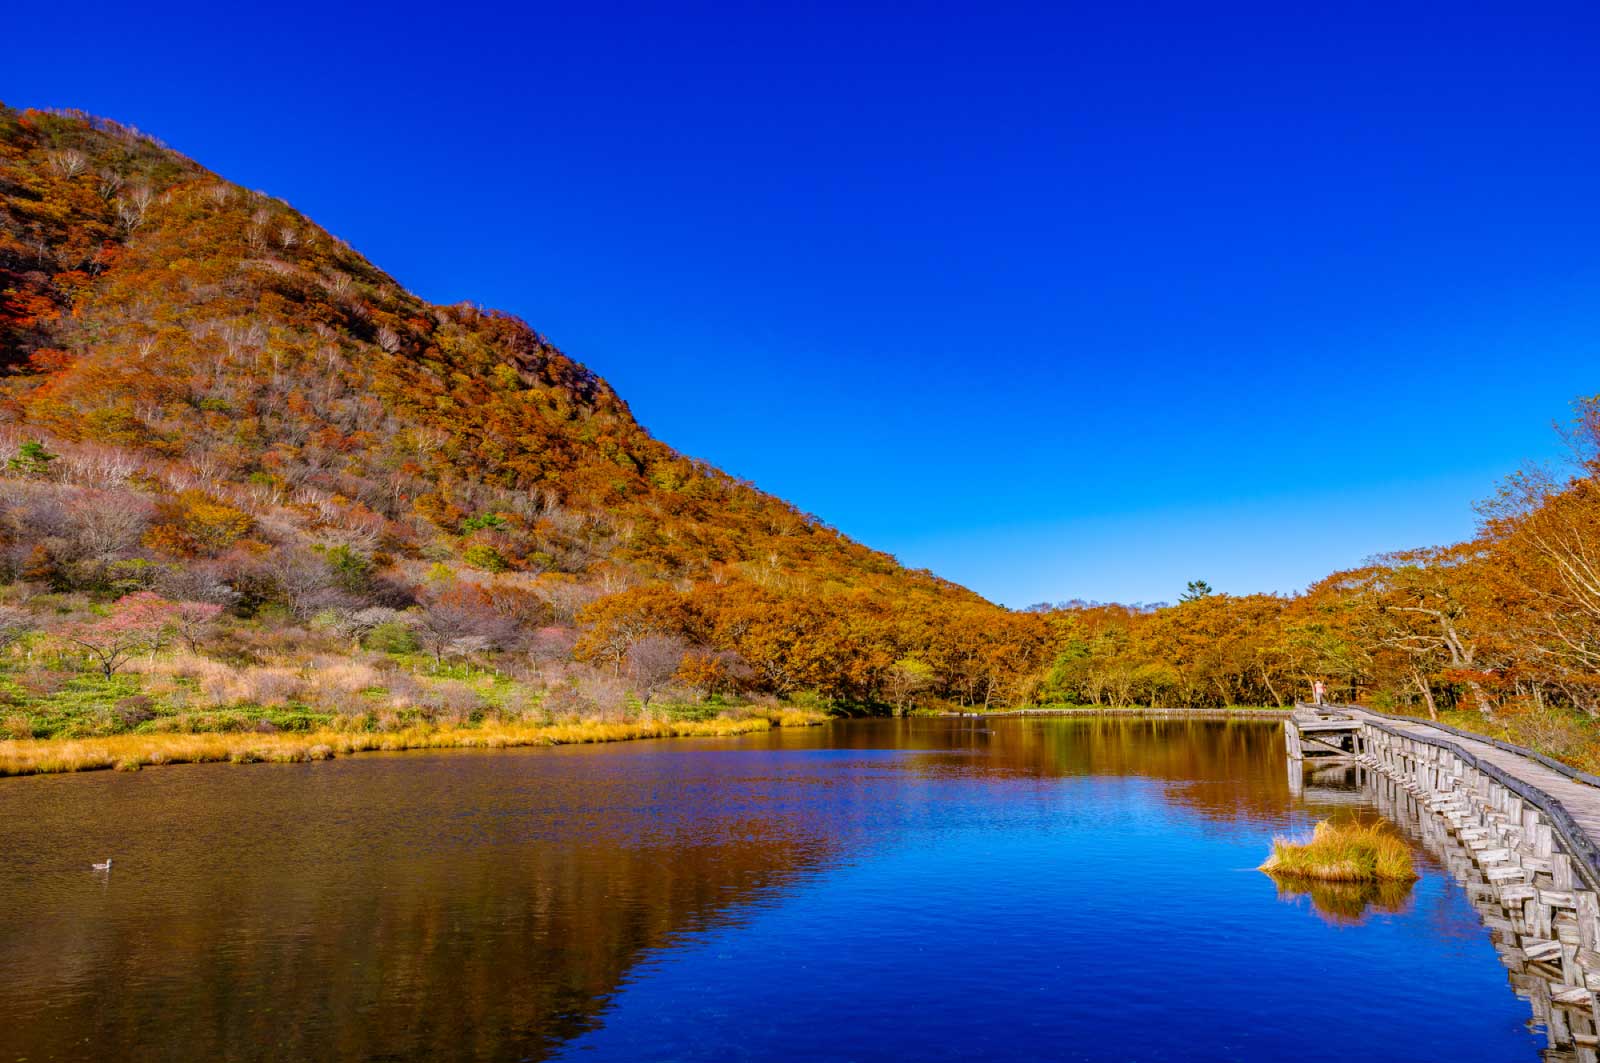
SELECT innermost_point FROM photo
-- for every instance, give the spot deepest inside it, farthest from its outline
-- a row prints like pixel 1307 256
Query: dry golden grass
pixel 130 752
pixel 792 717
pixel 1346 852
pixel 328 684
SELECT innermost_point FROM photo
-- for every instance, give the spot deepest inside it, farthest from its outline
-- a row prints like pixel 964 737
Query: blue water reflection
pixel 875 890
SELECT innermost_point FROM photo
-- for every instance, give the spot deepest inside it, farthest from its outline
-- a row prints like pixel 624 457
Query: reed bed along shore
pixel 1344 852
pixel 131 752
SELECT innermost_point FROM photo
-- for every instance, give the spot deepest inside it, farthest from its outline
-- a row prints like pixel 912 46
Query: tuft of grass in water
pixel 130 752
pixel 1346 852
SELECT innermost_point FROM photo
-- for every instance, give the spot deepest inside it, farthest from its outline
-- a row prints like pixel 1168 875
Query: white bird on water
pixel 105 866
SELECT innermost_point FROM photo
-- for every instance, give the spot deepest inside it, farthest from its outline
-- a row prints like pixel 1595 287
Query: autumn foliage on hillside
pixel 209 398
pixel 154 308
pixel 285 483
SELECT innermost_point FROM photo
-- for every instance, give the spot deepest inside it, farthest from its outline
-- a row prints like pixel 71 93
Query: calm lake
pixel 1062 889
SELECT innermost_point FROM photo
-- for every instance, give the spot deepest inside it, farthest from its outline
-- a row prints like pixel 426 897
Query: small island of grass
pixel 1344 852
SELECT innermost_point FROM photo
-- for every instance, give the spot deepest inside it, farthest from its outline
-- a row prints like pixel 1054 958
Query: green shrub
pixel 392 636
pixel 811 699
pixel 482 521
pixel 296 719
pixel 705 711
pixel 352 569
pixel 32 459
pixel 484 556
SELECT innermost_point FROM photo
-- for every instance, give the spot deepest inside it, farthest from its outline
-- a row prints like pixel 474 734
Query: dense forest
pixel 248 481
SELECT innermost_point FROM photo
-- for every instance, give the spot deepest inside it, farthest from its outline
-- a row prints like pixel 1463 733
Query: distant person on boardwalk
pixel 1318 692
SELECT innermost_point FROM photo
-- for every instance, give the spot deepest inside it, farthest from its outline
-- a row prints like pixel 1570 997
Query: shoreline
pixel 134 752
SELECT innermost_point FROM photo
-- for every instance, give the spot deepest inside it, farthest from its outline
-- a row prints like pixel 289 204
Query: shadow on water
pixel 467 905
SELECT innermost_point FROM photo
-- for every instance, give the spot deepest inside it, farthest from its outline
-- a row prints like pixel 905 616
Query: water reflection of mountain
pixel 444 907
pixel 477 905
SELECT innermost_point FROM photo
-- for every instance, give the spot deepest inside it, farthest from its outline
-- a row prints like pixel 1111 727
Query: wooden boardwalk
pixel 1571 798
pixel 1580 799
pixel 1518 830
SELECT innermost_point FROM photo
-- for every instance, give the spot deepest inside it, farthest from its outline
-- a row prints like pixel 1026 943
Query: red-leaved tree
pixel 135 623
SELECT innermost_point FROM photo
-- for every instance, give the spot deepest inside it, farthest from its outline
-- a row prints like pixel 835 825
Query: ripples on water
pixel 880 890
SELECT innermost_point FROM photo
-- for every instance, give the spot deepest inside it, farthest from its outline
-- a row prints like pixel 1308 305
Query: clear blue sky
pixel 1059 301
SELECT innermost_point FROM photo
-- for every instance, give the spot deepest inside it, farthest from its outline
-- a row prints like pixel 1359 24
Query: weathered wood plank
pixel 1331 725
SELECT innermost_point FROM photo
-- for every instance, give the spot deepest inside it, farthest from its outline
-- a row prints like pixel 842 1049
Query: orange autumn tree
pixel 1545 536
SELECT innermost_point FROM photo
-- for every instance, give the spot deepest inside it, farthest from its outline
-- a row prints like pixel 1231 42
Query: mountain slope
pixel 152 306
pixel 317 491
pixel 229 404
